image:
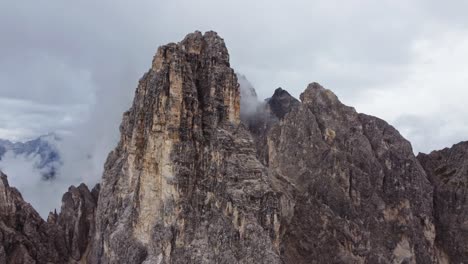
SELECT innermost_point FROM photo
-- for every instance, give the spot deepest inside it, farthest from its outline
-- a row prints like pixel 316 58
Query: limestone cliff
pixel 184 184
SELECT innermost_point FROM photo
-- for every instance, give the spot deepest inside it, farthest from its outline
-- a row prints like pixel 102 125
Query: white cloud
pixel 26 119
pixel 428 105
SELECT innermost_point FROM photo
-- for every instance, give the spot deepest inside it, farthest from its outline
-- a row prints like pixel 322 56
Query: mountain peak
pixel 196 68
pixel 281 103
pixel 209 47
pixel 210 43
pixel 315 93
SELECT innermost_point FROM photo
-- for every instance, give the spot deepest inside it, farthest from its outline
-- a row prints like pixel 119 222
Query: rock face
pixel 358 193
pixel 76 219
pixel 447 169
pixel 274 110
pixel 204 173
pixel 184 184
pixel 281 103
pixel 24 236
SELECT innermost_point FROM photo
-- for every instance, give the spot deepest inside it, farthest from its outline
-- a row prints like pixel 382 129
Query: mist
pixel 23 174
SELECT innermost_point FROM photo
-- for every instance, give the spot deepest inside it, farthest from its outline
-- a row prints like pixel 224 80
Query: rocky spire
pixel 77 219
pixel 184 185
pixel 281 103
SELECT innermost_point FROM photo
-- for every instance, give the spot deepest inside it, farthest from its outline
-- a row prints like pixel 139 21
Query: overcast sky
pixel 72 66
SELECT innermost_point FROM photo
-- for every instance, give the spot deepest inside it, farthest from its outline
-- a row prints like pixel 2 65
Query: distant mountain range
pixel 42 151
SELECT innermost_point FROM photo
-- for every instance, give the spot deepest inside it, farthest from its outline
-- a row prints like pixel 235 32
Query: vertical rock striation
pixel 259 118
pixel 448 171
pixel 358 193
pixel 184 185
pixel 77 220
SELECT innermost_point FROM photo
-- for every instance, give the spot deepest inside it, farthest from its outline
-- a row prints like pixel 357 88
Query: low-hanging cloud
pixel 249 103
pixel 24 174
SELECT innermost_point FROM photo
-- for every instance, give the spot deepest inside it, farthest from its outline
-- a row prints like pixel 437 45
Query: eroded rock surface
pixel 77 220
pixel 359 194
pixel 184 184
pixel 205 173
pixel 448 171
pixel 24 236
pixel 260 117
pixel 306 182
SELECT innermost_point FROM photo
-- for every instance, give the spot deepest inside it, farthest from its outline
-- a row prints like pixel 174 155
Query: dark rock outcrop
pixel 259 118
pixel 358 193
pixel 447 169
pixel 76 219
pixel 24 236
pixel 281 103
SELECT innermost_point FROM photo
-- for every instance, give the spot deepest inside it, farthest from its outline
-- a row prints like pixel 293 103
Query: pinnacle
pixel 315 93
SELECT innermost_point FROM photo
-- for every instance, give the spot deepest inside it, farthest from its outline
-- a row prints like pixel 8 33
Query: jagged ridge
pixel 194 179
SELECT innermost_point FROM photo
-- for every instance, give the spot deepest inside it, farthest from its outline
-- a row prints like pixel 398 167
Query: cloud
pixel 427 106
pixel 25 119
pixel 72 67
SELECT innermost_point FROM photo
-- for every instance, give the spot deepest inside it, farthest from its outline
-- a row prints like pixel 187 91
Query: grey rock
pixel 24 236
pixel 358 193
pixel 448 171
pixel 266 116
pixel 184 184
pixel 77 220
pixel 307 182
pixel 281 103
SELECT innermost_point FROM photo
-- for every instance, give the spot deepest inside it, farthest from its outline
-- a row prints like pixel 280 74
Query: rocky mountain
pixel 26 238
pixel 205 173
pixel 42 151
